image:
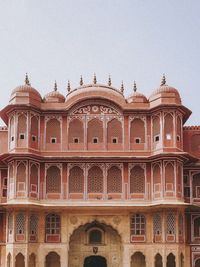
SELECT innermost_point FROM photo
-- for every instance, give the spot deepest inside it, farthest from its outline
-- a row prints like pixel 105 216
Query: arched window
pixel 53 131
pixel 95 180
pixel 53 180
pixel 95 131
pixel 19 260
pixel 33 228
pixel 137 180
pixel 34 180
pixel 137 131
pixel 138 259
pixel 180 225
pixel 157 227
pixel 158 260
pixel 52 260
pixel 114 180
pixel 197 263
pixel 21 179
pixel 9 260
pixel 11 181
pixel 171 260
pixel 138 224
pixel 197 227
pixel 169 177
pixel 76 180
pixel 178 129
pixel 114 129
pixel 181 260
pixel 32 260
pixel 76 131
pixel 95 236
pixel 196 185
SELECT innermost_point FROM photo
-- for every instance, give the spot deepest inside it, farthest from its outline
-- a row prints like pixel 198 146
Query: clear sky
pixel 130 39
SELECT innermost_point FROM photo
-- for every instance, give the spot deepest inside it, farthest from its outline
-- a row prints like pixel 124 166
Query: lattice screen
pixel 180 224
pixel 22 124
pixel 168 124
pixel 20 223
pixel 53 180
pixel 95 180
pixel 76 130
pixel 34 126
pixel 76 180
pixel 33 224
pixel 157 224
pixel 137 180
pixel 156 126
pixel 196 185
pixel 34 175
pixel 114 180
pixel 53 129
pixel 171 223
pixel 137 130
pixel 114 130
pixel 95 129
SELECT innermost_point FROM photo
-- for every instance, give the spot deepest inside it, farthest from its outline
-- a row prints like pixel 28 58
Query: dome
pixel 89 91
pixel 136 97
pixel 25 89
pixel 54 96
pixel 165 91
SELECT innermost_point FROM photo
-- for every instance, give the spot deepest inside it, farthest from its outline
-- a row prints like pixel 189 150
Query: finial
pixel 109 81
pixel 68 86
pixel 27 80
pixel 122 87
pixel 95 79
pixel 163 82
pixel 81 80
pixel 134 87
pixel 55 86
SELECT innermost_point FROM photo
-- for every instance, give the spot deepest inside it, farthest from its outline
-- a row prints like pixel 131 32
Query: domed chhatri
pixel 26 88
pixel 136 97
pixel 54 96
pixel 165 91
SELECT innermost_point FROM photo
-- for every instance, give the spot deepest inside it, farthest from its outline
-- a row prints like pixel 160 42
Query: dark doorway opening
pixel 95 261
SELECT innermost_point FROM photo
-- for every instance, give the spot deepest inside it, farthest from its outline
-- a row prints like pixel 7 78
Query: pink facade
pixel 94 156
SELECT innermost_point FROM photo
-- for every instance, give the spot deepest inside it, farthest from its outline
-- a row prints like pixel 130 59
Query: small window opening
pixel 34 138
pixel 76 140
pixel 137 140
pixel 168 136
pixel 114 140
pixel 12 138
pixel 156 138
pixel 95 237
pixel 5 182
pixel 95 140
pixel 178 138
pixel 53 140
pixel 22 136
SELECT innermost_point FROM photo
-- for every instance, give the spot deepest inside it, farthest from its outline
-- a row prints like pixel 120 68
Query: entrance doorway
pixel 95 261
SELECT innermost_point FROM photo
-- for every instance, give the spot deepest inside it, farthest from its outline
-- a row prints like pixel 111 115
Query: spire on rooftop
pixel 27 82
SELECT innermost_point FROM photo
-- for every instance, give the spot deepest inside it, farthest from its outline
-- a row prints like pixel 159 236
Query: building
pixel 95 179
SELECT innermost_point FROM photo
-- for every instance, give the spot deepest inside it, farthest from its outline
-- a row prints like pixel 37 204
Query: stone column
pixel 125 255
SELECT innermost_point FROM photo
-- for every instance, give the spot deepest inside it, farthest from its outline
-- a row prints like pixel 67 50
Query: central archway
pixel 95 261
pixel 95 244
